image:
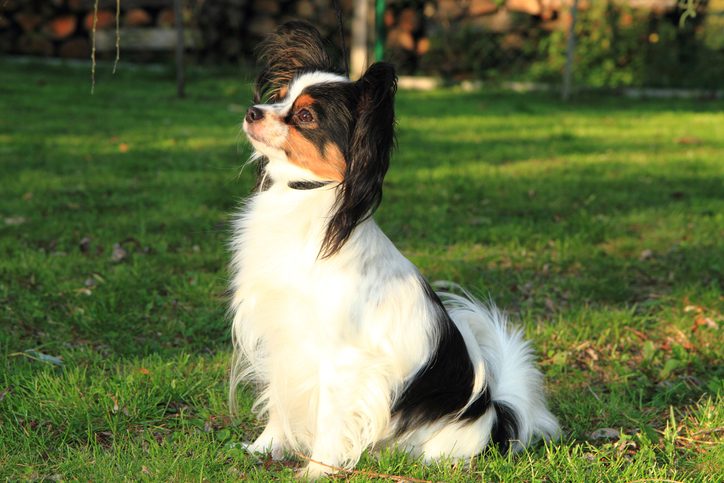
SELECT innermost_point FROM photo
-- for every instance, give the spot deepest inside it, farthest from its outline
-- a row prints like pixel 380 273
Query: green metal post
pixel 379 29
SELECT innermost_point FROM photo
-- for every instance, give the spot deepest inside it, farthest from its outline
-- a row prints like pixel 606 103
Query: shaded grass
pixel 597 224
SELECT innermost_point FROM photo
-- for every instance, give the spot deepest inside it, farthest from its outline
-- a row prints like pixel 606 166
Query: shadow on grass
pixel 496 102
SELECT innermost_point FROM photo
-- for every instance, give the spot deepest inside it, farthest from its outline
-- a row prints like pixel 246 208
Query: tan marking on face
pixel 304 153
pixel 305 100
pixel 334 156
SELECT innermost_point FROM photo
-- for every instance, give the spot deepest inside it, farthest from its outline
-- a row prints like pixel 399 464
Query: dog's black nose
pixel 254 114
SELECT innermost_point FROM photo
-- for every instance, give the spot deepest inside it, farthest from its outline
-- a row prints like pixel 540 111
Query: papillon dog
pixel 349 346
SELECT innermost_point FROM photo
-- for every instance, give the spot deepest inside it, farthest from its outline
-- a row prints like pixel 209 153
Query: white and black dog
pixel 348 344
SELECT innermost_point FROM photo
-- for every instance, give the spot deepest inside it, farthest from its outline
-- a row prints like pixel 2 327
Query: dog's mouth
pixel 260 141
pixel 254 136
pixel 258 132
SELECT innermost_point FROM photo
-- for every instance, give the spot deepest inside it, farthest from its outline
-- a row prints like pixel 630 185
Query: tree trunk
pixel 358 51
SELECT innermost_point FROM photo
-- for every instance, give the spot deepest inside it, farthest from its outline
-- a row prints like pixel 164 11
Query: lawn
pixel 597 225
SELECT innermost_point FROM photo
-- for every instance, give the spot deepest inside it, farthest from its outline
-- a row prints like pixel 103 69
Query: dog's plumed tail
pixel 514 382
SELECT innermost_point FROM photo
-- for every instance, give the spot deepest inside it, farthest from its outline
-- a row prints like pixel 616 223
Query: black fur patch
pixel 505 429
pixel 333 109
pixel 307 185
pixel 368 156
pixel 444 385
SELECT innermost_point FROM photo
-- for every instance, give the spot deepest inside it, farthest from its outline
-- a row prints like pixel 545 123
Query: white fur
pixel 306 80
pixel 330 342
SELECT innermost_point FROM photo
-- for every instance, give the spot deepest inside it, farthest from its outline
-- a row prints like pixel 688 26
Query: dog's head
pixel 309 116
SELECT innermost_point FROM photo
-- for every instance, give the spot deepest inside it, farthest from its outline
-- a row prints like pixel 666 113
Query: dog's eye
pixel 304 115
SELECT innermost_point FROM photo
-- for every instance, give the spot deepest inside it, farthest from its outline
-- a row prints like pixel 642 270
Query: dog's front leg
pixel 352 411
pixel 270 440
pixel 328 444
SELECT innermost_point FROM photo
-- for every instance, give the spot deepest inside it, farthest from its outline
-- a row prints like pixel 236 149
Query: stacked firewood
pixel 231 28
pixel 224 29
pixel 412 25
pixel 64 27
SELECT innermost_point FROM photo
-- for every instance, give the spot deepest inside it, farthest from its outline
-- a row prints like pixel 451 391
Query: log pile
pixel 63 28
pixel 409 24
pixel 220 29
pixel 229 29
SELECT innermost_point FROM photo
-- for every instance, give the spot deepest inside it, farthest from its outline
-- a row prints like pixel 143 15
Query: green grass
pixel 598 225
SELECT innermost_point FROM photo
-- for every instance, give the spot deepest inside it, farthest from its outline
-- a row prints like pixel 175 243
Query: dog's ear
pixel 371 143
pixel 295 47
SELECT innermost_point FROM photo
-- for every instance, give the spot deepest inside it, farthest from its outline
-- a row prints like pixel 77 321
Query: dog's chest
pixel 277 269
pixel 278 237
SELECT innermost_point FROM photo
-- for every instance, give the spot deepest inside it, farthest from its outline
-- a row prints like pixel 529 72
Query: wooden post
pixel 358 50
pixel 180 79
pixel 570 50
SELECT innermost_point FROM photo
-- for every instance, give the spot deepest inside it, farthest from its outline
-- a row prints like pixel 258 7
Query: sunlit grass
pixel 596 224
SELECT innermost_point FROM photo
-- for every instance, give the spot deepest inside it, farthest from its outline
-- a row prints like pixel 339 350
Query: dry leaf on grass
pixel 605 433
pixel 704 321
pixel 84 244
pixel 15 220
pixel 689 140
pixel 119 253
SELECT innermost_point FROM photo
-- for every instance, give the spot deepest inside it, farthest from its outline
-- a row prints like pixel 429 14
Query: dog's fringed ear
pixel 295 47
pixel 371 143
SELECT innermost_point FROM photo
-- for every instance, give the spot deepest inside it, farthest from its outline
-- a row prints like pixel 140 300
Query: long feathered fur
pixel 296 47
pixel 370 146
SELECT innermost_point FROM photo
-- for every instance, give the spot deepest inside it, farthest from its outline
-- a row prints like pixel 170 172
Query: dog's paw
pixel 265 447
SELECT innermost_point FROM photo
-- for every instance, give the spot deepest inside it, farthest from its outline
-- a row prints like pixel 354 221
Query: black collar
pixel 307 185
